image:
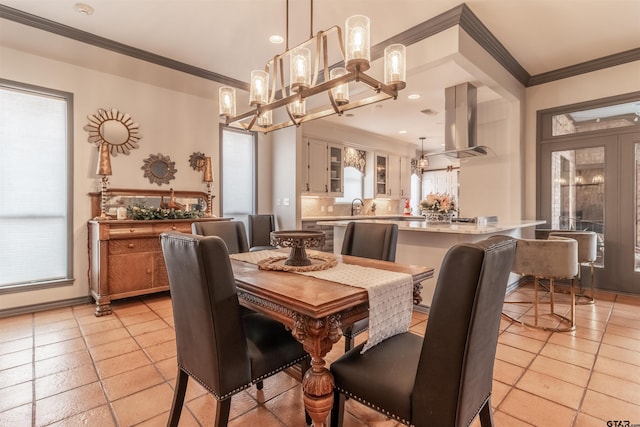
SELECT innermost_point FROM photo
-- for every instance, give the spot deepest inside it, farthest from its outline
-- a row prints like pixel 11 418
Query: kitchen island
pixel 426 244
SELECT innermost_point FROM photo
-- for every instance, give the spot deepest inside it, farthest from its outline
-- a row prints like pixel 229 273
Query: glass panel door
pixel 577 192
pixel 629 213
pixel 594 184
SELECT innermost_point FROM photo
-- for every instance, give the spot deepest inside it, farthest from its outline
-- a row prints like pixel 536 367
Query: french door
pixel 592 183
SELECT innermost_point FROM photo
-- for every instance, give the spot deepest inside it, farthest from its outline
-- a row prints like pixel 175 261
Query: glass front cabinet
pixel 324 168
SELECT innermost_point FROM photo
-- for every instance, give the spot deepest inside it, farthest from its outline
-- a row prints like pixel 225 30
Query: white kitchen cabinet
pixel 324 168
pixel 398 177
pixel 393 176
pixel 376 184
pixel 405 177
pixel 440 182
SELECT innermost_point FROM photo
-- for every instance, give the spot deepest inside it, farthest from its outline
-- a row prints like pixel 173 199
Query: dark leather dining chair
pixel 223 350
pixel 367 240
pixel 232 232
pixel 260 228
pixel 445 378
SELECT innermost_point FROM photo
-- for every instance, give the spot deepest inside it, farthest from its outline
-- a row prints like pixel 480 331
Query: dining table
pixel 315 310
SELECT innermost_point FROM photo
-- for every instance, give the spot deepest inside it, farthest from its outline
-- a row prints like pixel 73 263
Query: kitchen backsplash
pixel 326 206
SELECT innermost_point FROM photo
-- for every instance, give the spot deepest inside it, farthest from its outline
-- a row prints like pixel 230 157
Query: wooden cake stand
pixel 298 241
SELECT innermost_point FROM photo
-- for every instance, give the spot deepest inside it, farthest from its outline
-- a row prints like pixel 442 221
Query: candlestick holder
pixel 104 170
pixel 208 179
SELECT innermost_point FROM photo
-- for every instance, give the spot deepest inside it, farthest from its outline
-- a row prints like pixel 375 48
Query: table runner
pixel 390 293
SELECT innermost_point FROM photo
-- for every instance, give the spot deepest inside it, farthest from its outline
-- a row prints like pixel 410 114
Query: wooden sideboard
pixel 125 258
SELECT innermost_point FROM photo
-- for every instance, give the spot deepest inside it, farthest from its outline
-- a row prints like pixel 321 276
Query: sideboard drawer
pixel 123 230
pixel 181 227
pixel 131 246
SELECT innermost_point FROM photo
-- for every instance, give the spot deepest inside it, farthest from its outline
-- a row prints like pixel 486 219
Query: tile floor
pixel 66 367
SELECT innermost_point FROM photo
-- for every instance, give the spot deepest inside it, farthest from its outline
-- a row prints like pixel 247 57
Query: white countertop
pixel 358 217
pixel 455 228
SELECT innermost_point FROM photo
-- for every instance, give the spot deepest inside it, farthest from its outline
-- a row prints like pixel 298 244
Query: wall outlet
pixel 330 208
pixel 285 201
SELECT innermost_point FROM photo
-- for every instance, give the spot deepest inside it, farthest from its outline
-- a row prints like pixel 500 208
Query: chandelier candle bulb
pixel 300 69
pixel 341 92
pixel 395 67
pixel 298 108
pixel 258 92
pixel 227 101
pixel 358 44
pixel 265 119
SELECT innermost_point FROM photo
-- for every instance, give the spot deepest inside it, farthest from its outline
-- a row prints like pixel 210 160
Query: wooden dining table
pixel 315 310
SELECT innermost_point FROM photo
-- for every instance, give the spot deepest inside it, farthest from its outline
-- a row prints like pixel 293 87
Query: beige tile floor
pixel 66 367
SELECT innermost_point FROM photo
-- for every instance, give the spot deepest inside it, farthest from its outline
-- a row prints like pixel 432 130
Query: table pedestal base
pixel 317 337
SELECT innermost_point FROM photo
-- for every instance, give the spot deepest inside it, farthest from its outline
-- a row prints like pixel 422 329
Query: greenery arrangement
pixel 437 202
pixel 143 213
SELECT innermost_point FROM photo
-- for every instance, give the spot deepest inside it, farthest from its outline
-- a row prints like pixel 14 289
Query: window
pixel 353 182
pixel 35 187
pixel 238 171
pixel 353 175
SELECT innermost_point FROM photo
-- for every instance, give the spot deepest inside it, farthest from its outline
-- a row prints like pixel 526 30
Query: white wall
pixel 173 123
pixel 585 87
pixel 286 182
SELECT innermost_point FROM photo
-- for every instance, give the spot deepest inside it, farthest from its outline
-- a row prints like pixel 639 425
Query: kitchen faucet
pixel 360 207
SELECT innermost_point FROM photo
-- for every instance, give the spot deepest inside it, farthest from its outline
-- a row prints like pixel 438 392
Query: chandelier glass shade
pixel 309 78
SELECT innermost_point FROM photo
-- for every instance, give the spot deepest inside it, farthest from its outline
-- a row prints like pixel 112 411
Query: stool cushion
pixel 556 257
pixel 587 243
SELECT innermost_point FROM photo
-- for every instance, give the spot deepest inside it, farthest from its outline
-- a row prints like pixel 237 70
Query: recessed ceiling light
pixel 414 96
pixel 276 39
pixel 83 9
pixel 402 132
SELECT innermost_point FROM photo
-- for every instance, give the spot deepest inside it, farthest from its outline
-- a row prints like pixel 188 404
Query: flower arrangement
pixel 438 202
pixel 140 212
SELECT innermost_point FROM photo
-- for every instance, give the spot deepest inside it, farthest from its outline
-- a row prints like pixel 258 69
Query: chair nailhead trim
pixel 239 389
pixel 377 408
pixel 395 417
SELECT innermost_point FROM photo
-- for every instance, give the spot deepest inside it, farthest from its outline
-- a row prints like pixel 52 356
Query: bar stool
pixel 587 254
pixel 556 258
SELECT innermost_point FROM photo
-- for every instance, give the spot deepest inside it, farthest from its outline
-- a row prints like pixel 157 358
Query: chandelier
pixel 307 79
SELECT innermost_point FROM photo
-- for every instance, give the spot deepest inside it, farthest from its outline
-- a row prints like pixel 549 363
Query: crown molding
pixel 121 48
pixel 460 15
pixel 586 67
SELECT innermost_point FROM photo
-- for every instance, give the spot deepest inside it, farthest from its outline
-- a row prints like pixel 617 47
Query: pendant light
pixel 423 163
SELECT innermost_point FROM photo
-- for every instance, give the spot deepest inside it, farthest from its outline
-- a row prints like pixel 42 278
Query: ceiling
pixel 230 38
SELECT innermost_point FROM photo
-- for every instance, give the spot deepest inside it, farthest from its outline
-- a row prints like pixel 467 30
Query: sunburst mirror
pixel 114 128
pixel 159 169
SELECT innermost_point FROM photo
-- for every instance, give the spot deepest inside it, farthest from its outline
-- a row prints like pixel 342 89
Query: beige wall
pixel 172 123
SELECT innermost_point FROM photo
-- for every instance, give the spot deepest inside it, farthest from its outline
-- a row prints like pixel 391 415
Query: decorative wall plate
pixel 159 169
pixel 114 128
pixel 197 160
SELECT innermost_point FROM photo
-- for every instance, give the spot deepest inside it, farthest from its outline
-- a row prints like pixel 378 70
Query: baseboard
pixel 44 306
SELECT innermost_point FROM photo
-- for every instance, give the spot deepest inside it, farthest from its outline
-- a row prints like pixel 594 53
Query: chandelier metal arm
pixel 387 92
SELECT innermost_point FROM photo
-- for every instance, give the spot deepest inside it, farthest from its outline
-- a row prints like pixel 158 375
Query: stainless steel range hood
pixel 460 133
